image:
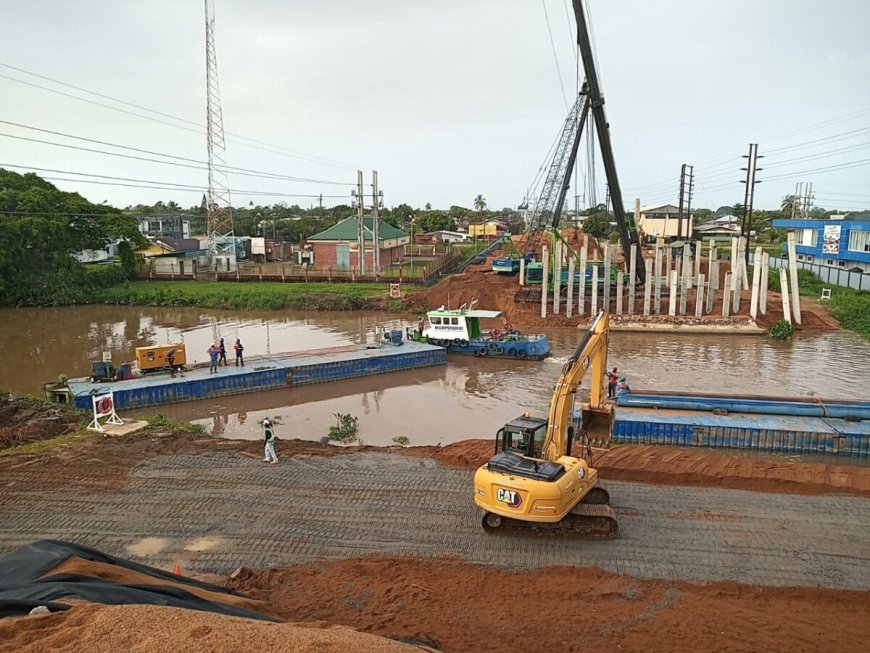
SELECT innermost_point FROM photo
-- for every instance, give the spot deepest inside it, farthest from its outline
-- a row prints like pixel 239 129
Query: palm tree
pixel 788 206
pixel 480 203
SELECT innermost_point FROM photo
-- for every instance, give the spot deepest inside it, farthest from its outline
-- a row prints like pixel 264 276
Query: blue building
pixel 842 243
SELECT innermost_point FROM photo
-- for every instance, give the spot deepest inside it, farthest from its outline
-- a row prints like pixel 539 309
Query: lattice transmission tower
pixel 219 212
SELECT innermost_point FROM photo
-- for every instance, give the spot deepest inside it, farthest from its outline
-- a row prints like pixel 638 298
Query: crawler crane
pixel 533 482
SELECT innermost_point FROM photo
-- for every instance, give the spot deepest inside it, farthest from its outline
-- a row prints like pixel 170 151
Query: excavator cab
pixel 525 436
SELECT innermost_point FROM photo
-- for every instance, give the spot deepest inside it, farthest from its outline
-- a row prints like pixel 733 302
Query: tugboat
pixel 459 331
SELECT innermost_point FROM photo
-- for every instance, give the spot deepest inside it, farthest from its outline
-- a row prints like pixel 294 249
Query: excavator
pixel 533 482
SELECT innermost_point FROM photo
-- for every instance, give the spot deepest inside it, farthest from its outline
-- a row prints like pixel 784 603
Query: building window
pixel 829 261
pixel 806 237
pixel 859 240
pixel 842 264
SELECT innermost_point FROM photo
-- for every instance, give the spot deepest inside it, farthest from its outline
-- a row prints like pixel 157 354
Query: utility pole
pixel 685 199
pixel 377 198
pixel 320 203
pixel 749 193
pixel 361 228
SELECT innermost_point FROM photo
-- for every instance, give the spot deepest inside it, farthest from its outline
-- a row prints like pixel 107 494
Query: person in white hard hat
pixel 271 456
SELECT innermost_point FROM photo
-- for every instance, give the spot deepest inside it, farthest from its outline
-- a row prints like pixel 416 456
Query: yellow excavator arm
pixel 590 353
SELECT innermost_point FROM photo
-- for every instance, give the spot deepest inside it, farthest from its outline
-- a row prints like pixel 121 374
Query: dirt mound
pixel 24 420
pixel 693 467
pixel 95 628
pixel 463 607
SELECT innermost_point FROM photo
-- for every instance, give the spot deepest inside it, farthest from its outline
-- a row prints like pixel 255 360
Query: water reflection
pixel 470 397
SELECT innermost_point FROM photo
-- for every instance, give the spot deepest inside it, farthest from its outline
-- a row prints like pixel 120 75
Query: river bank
pixel 330 553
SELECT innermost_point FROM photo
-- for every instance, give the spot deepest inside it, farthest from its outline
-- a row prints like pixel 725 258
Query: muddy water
pixel 467 398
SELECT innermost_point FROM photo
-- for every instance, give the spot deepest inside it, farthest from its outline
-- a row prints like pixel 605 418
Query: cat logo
pixel 586 363
pixel 510 497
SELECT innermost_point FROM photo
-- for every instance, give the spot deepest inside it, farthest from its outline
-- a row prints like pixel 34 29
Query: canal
pixel 468 398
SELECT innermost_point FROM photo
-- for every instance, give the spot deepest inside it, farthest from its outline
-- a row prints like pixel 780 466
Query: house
pixel 843 243
pixel 265 250
pixel 170 226
pixel 489 230
pixel 174 256
pixel 719 232
pixel 441 236
pixel 663 221
pixel 726 220
pixel 337 247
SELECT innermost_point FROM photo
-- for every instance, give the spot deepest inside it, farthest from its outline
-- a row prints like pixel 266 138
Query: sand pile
pixel 463 607
pixel 93 628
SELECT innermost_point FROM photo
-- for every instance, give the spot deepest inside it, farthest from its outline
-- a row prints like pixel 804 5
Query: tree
pixel 428 206
pixel 480 204
pixel 597 224
pixel 788 205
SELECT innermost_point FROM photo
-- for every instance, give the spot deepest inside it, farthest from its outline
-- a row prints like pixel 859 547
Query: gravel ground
pixel 221 510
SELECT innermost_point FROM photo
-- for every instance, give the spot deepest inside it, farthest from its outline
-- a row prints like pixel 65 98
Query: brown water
pixel 468 398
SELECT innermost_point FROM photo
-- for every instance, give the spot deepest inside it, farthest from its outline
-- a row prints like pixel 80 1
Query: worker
pixel 612 380
pixel 170 361
pixel 421 323
pixel 222 351
pixel 240 358
pixel 622 388
pixel 213 358
pixel 271 456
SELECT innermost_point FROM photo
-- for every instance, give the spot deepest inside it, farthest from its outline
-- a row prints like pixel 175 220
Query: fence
pixel 295 274
pixel 827 273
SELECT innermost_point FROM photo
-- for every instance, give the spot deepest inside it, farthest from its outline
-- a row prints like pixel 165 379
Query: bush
pixel 782 330
pixel 346 429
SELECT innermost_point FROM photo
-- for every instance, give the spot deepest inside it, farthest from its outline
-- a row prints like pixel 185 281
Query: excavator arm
pixel 591 355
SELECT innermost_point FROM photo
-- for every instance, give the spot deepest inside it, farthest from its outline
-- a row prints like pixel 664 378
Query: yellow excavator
pixel 533 482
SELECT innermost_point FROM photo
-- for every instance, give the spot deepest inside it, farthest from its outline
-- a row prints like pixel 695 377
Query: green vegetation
pixel 346 429
pixel 41 231
pixel 161 422
pixel 402 440
pixel 850 307
pixel 248 296
pixel 782 330
pixel 41 446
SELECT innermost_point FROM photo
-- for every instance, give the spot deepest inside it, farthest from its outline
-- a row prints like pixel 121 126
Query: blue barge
pixel 260 373
pixel 791 426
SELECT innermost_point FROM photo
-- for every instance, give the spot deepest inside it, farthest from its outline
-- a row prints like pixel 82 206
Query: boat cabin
pixel 457 324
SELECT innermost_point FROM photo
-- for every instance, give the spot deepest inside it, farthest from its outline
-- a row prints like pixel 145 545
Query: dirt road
pixel 222 508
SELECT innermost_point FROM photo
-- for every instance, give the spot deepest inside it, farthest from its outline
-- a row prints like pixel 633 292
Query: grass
pixel 250 295
pixel 850 307
pixel 161 422
pixel 42 446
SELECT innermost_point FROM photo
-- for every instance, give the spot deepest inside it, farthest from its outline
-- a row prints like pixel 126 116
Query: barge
pixel 259 373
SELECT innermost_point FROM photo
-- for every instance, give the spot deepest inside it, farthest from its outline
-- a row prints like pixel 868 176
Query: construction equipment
pixel 533 482
pixel 160 357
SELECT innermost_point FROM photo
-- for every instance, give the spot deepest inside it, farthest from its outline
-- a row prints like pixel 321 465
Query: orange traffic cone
pixel 178 570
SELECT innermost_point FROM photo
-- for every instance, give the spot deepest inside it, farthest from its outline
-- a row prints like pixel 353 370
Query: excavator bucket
pixel 598 423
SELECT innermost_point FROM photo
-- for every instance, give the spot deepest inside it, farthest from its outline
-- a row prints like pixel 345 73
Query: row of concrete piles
pixel 676 283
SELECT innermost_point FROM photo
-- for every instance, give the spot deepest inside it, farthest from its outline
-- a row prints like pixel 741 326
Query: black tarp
pixel 23 584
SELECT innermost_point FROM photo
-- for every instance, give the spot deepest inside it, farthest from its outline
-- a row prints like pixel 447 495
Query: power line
pixel 171 163
pixel 233 169
pixel 275 149
pixel 164 184
pixel 821 155
pixel 555 56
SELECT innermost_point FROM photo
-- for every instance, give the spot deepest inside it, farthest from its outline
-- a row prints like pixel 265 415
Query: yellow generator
pixel 157 357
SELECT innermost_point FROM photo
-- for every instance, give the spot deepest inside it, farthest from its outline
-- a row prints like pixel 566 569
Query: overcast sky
pixel 447 99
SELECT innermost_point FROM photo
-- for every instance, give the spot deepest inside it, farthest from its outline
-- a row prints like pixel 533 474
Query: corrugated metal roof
pixel 347 230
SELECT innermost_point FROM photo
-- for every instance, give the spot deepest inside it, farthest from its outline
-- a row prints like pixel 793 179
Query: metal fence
pixel 835 276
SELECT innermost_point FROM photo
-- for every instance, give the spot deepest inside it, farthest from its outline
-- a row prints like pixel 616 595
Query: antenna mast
pixel 218 212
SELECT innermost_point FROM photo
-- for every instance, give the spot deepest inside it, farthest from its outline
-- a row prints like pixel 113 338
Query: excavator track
pixel 586 521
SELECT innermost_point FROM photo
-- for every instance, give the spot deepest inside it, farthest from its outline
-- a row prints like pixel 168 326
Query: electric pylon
pixel 219 212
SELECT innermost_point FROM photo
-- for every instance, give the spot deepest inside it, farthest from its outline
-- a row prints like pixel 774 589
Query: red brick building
pixel 337 247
